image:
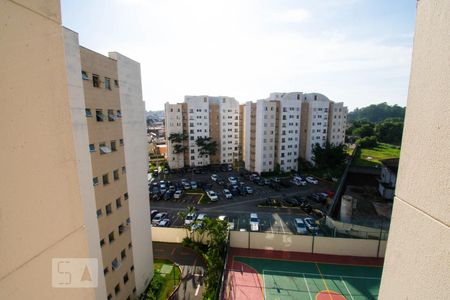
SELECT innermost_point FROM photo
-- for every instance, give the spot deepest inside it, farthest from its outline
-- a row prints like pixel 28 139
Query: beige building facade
pixel 418 248
pixel 76 184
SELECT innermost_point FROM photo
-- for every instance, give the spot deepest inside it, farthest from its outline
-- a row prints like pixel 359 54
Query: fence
pixel 285 242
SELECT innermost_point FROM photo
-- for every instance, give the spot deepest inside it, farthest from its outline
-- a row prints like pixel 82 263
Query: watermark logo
pixel 74 272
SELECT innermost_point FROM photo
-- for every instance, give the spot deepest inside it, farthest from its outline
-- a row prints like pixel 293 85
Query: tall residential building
pixel 286 126
pixel 200 117
pixel 80 142
pixel 418 248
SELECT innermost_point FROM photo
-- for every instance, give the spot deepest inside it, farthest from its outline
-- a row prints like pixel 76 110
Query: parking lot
pixel 238 208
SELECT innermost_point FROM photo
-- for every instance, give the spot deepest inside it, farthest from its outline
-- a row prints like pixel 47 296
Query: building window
pixel 91 148
pixel 121 142
pixel 95 80
pixel 99 213
pixel 102 242
pixel 99 115
pixel 130 245
pixel 111 237
pixel 109 297
pixel 128 221
pixel 134 290
pixel 116 83
pixel 88 112
pixel 107 83
pixel 116 175
pixel 123 254
pixel 105 271
pixel 118 203
pixel 125 278
pixel 125 196
pixel 111 116
pixel 121 229
pixel 108 209
pixel 95 181
pixel 119 114
pixel 124 170
pixel 117 289
pixel 132 268
pixel 105 179
pixel 115 264
pixel 113 146
pixel 84 75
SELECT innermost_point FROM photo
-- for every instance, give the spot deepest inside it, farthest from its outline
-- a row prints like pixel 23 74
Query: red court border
pixel 303 257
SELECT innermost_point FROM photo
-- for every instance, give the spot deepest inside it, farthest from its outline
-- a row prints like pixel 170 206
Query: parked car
pixel 178 194
pixel 291 201
pixel 159 217
pixel 212 195
pixel 266 181
pixel 232 180
pixel 194 185
pixel 298 181
pixel 153 213
pixel 162 188
pixel 155 173
pixel 276 179
pixel 166 171
pixel 306 207
pixel 311 225
pixel 190 218
pixel 254 222
pixel 214 177
pixel 172 188
pixel 254 177
pixel 164 223
pixel 227 220
pixel 260 182
pixel 312 180
pixel 242 191
pixel 234 191
pixel 317 197
pixel 227 194
pixel 168 195
pixel 300 226
pixel 199 221
pixel 248 190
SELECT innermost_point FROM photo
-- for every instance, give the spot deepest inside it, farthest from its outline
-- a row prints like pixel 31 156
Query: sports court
pixel 262 274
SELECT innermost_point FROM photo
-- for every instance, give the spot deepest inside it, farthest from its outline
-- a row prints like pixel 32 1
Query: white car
pixel 159 217
pixel 212 195
pixel 227 194
pixel 311 225
pixel 226 219
pixel 214 177
pixel 199 222
pixel 178 194
pixel 312 180
pixel 164 223
pixel 300 226
pixel 254 222
pixel 194 185
pixel 190 218
pixel 232 180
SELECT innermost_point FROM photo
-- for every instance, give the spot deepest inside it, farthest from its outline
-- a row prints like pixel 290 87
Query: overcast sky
pixel 355 51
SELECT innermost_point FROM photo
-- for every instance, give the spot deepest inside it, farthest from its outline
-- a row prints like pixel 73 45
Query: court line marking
pixel 324 275
pixel 324 282
pixel 342 279
pixel 307 287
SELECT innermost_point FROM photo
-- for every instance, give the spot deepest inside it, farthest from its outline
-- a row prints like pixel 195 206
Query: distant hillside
pixel 377 112
pixel 155 115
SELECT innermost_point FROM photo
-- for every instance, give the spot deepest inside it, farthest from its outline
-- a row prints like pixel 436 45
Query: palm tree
pixel 206 145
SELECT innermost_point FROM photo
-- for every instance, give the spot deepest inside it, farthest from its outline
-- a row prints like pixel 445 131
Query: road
pixel 192 269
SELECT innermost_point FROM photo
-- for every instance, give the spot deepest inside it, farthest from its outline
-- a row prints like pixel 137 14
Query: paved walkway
pixel 192 268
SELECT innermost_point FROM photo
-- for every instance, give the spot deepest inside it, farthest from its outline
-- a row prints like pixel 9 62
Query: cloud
pixel 291 16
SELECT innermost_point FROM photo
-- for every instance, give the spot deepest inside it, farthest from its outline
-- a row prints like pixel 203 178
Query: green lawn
pixel 169 280
pixel 372 157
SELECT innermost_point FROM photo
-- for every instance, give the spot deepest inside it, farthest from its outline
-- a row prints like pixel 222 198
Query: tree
pixel 206 146
pixel 377 112
pixel 389 132
pixel 365 130
pixel 368 142
pixel 177 137
pixel 330 156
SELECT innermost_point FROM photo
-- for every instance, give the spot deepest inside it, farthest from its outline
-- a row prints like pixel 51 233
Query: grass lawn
pixel 372 157
pixel 168 279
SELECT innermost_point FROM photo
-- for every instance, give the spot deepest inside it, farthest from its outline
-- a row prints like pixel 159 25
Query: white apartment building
pixel 216 118
pixel 286 126
pixel 315 123
pixel 337 123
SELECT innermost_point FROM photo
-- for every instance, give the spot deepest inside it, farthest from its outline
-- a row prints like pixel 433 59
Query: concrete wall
pixel 42 215
pixel 418 252
pixel 341 246
pixel 281 242
pixel 81 143
pixel 136 159
pixel 168 235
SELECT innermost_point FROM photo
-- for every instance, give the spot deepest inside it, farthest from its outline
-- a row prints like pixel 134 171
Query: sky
pixel 353 51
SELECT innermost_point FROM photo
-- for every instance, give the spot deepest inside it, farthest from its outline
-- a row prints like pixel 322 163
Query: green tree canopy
pixel 377 112
pixel 329 156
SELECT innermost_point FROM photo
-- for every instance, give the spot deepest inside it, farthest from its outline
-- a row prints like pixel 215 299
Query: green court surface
pixel 283 279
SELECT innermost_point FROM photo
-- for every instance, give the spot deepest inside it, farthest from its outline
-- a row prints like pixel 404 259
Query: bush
pixel 155 286
pixel 368 142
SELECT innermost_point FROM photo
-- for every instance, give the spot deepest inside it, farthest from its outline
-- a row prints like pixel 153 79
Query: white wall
pixel 81 142
pixel 136 160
